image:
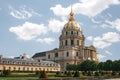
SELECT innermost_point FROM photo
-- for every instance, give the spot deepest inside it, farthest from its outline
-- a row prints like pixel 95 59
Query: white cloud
pixel 114 24
pixel 100 56
pixel 90 38
pixel 101 44
pixel 86 7
pixel 29 31
pixel 108 52
pixel 111 37
pixel 45 40
pixel 106 40
pixel 94 21
pixel 56 25
pixel 22 13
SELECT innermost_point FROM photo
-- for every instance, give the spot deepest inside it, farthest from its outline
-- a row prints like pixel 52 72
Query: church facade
pixel 72 49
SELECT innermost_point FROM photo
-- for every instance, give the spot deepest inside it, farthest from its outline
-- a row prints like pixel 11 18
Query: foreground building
pixel 23 63
pixel 72 49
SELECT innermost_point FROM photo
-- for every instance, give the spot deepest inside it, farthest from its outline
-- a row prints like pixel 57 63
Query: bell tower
pixel 72 35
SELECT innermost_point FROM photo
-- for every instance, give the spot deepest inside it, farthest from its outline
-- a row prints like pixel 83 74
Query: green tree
pixel 88 66
pixel 108 65
pixel 71 67
pixel 101 66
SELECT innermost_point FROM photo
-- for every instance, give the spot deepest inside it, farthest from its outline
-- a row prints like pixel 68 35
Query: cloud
pixel 89 38
pixel 29 31
pixel 111 37
pixel 101 44
pixel 56 25
pixel 106 40
pixel 45 40
pixel 94 21
pixel 108 52
pixel 89 8
pixel 23 12
pixel 100 56
pixel 114 24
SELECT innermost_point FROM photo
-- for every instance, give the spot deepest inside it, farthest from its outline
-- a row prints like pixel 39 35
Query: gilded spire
pixel 71 15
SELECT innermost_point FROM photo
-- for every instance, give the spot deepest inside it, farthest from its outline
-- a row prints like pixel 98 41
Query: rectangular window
pixel 67 54
pixel 72 42
pixel 56 54
pixel 77 42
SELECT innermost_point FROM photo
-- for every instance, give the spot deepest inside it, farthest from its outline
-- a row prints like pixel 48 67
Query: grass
pixel 17 78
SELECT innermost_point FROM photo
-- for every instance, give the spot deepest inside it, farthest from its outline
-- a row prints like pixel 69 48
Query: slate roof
pixel 40 54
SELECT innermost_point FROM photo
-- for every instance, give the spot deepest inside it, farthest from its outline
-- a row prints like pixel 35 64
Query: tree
pixel 108 65
pixel 71 67
pixel 101 66
pixel 88 66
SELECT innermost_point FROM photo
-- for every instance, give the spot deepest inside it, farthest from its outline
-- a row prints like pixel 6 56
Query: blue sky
pixel 30 26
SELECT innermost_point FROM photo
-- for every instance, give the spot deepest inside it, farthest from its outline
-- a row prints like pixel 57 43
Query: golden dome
pixel 72 24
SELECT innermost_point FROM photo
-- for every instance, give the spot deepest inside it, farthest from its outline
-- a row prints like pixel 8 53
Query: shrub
pixel 43 74
pixel 76 74
pixel 6 72
pixel 58 73
pixel 89 73
pixel 114 73
pixel 97 74
pixel 37 72
pixel 69 74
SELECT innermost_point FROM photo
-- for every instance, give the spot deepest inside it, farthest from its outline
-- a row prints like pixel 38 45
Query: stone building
pixel 24 63
pixel 72 49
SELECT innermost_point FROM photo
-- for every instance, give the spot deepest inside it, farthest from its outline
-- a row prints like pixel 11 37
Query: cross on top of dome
pixel 71 15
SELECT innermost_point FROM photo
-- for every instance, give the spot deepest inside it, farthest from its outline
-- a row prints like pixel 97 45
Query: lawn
pixel 17 78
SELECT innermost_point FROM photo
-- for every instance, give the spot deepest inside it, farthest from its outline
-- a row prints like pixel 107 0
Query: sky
pixel 31 26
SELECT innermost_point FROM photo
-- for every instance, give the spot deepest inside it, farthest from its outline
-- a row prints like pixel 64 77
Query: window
pixel 77 42
pixel 66 42
pixel 56 54
pixel 77 32
pixel 66 32
pixel 71 32
pixel 76 53
pixel 48 56
pixel 72 42
pixel 67 54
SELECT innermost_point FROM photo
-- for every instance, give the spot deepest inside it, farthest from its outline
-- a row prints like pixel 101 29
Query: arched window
pixel 77 42
pixel 72 42
pixel 66 42
pixel 67 54
pixel 14 68
pixel 56 54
